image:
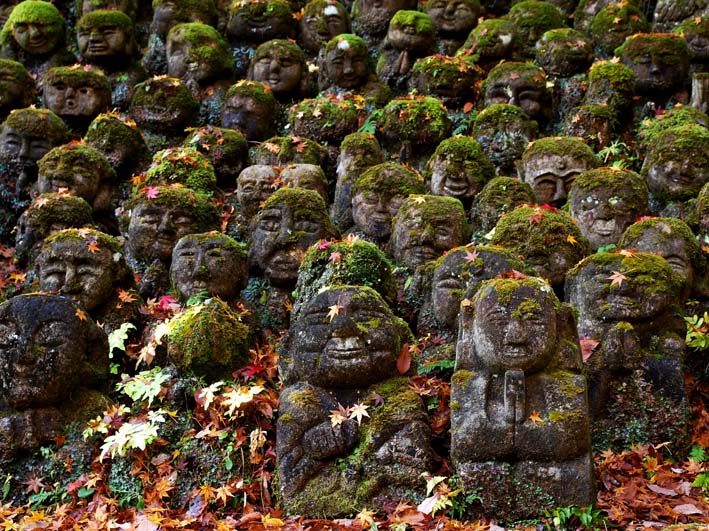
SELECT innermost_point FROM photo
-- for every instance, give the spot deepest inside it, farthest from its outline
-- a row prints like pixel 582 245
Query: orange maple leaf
pixel 339 415
pixel 125 296
pixel 536 417
pixel 93 247
pixel 81 314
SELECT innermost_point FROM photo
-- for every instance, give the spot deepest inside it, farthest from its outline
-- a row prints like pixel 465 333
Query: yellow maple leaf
pixel 339 415
pixel 334 311
pixel 536 417
pixel 572 240
pixel 366 517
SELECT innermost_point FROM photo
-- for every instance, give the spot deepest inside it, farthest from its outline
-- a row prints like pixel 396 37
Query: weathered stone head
pixel 346 63
pixel 48 349
pixel 696 32
pixel 197 52
pixel 606 201
pixel 586 10
pixel 677 164
pixel 453 18
pixel 48 213
pixel 280 64
pixel 613 24
pixel 611 84
pixel 460 271
pixel 77 92
pixel 324 120
pixel 308 176
pixel 76 168
pixel 283 150
pixel 322 20
pixel 35 27
pixel 163 104
pixel 83 264
pixel 371 17
pixel 123 145
pixel 499 196
pixel 671 239
pixel 106 37
pixel 377 195
pixel 658 60
pixel 453 80
pixel 260 21
pixel 291 220
pixel 564 52
pixel 249 108
pixel 519 84
pixel 503 131
pixel 156 217
pixel 458 168
pixel 26 136
pixel 412 31
pixel 357 347
pixel 550 165
pixel 255 184
pixel 547 239
pixel 425 227
pixel 183 166
pixel 129 7
pixel 167 13
pixel 211 262
pixel 532 19
pixel 17 88
pixel 594 124
pixel 226 149
pixel 492 41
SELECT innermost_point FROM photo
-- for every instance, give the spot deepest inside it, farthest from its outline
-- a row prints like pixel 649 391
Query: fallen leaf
pixel 403 364
pixel 687 508
pixel 358 412
pixel 617 278
pixel 334 311
pixel 471 257
pixel 536 418
pixel 339 415
pixel 81 314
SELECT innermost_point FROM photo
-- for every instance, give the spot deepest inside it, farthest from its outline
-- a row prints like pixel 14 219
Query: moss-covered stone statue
pixel 412 127
pixel 611 84
pixel 377 195
pixel 17 87
pixel 358 151
pixel 547 239
pixel 564 52
pixel 370 19
pixel 250 108
pixel 153 220
pixel 453 21
pixel 606 201
pixel 503 131
pixel 453 80
pixel 520 84
pixel 283 150
pixel 254 185
pixel 696 32
pixel 611 25
pixel 226 149
pixel 163 107
pixel 587 9
pixel 34 35
pixel 326 119
pixel 183 166
pixel 532 19
pixel 629 302
pixel 675 168
pixel 493 40
pixel 458 168
pixel 280 64
pixel 46 214
pixel 342 361
pixel 308 176
pixel 51 356
pixel 321 21
pixel 411 35
pixel 597 125
pixel 499 196
pixel 426 226
pixel 550 165
pixel 669 14
pixel 26 136
pixel 519 410
pixel 253 23
pixel 89 267
pixel 346 66
pixel 106 38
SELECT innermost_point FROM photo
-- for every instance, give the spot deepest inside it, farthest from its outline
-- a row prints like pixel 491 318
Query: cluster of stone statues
pixel 367 175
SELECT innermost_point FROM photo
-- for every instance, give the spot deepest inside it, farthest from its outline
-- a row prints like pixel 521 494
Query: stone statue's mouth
pixel 345 348
pixel 456 187
pixel 423 252
pixel 680 178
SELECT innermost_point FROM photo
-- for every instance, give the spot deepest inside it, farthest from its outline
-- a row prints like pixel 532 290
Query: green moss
pixel 164 89
pixel 263 8
pixel 612 83
pixel 664 231
pixel 105 17
pixel 208 45
pixel 79 75
pixel 49 209
pixel 679 115
pixel 484 39
pixel 324 119
pixel 365 145
pixel 421 21
pixel 561 146
pixel 182 165
pixel 283 48
pixel 303 204
pixel 435 207
pixel 16 71
pixel 41 123
pixel 625 182
pixel 31 12
pixel 464 148
pixel 572 415
pixel 281 150
pixel 356 43
pixel 422 120
pixel 514 70
pixel 78 155
pixel 200 205
pixel 446 72
pixel 389 179
pixel 85 235
pixel 533 15
pixel 663 48
pixel 254 90
pixel 526 309
pixel 615 22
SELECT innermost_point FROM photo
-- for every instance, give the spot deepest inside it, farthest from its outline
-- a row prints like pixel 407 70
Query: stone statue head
pixel 453 18
pixel 35 27
pixel 308 176
pixel 499 196
pixel 197 52
pixel 105 37
pixel 519 84
pixel 17 88
pixel 76 91
pixel 248 108
pixel 658 60
pixel 254 185
pixel 163 104
pixel 280 64
pixel 120 142
pixel 346 63
pixel 564 52
pixel 260 21
pixel 321 21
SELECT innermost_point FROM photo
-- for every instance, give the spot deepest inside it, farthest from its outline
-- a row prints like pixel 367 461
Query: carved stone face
pixel 250 116
pixel 550 176
pixel 69 268
pixel 420 234
pixel 185 60
pixel 68 97
pixel 42 345
pixel 81 180
pixel 522 90
pixel 163 104
pixel 308 176
pixel 322 24
pixel 208 262
pixel 254 185
pixel 519 332
pixel 658 68
pixel 603 214
pixel 504 143
pixel 406 36
pixel 453 17
pixel 104 42
pixel 674 174
pixel 154 229
pixel 37 38
pixel 564 56
pixel 357 347
pixel 455 177
pixel 347 67
pixel 276 69
pixel 22 147
pixel 372 213
pixel 13 88
pixel 280 237
pixel 373 16
pixel 258 22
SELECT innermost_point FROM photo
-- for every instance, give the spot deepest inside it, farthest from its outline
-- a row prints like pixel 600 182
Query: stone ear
pixel 465 354
pixel 569 350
